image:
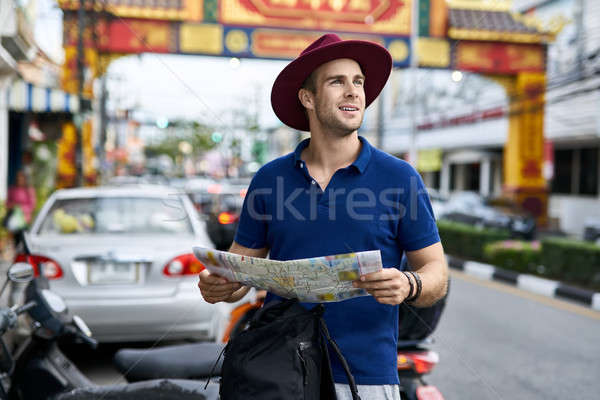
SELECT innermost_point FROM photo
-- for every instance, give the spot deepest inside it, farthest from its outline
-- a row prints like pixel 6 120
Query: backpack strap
pixel 340 357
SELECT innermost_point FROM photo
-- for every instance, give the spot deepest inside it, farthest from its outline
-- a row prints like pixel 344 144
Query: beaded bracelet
pixel 410 293
pixel 419 287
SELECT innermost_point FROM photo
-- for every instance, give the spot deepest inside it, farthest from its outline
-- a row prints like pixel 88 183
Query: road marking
pixel 537 285
pixel 483 271
pixel 549 301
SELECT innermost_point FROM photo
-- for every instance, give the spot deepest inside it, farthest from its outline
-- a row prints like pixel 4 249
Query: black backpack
pixel 282 354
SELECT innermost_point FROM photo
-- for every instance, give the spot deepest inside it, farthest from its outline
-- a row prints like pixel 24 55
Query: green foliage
pixel 571 261
pixel 468 241
pixel 514 255
pixel 566 260
pixel 196 134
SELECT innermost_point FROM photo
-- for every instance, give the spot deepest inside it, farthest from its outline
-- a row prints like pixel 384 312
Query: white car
pixel 122 259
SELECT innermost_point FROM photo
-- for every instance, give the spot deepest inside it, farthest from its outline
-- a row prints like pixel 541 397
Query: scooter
pixel 39 370
pixel 196 361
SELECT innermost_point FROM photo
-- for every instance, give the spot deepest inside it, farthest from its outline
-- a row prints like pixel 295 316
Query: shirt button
pixel 314 182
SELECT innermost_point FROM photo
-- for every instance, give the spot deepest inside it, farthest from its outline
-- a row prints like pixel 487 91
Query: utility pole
pixel 80 82
pixel 414 66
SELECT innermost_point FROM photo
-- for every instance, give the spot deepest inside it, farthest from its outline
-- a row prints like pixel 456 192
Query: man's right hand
pixel 215 288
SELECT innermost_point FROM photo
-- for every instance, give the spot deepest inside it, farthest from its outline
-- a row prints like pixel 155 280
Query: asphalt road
pixel 495 342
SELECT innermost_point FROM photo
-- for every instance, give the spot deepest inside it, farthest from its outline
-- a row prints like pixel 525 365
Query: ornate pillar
pixel 524 148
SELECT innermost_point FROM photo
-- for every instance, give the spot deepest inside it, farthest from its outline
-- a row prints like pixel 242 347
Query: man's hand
pixel 388 286
pixel 215 288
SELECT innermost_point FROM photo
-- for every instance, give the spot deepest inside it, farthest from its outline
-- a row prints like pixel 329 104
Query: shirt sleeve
pixel 417 228
pixel 253 225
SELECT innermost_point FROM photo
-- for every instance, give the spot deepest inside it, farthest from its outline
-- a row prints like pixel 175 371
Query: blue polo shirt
pixel 378 202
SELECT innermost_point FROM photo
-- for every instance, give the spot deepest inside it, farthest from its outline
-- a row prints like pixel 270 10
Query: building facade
pixel 463 118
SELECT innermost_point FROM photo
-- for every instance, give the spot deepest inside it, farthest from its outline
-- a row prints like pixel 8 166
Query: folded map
pixel 313 280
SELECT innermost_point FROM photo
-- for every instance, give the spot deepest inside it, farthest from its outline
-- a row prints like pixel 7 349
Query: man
pixel 338 194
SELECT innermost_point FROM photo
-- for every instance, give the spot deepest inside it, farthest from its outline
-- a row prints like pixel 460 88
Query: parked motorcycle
pixel 39 370
pixel 196 361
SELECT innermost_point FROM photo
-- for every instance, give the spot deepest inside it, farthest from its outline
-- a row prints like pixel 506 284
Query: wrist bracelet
pixel 419 286
pixel 410 293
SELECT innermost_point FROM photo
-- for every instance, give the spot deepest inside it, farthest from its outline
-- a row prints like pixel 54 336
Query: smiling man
pixel 337 194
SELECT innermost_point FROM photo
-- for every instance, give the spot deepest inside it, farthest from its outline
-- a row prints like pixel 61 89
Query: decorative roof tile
pixel 497 25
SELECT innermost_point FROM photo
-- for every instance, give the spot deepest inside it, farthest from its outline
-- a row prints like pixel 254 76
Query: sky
pixel 207 89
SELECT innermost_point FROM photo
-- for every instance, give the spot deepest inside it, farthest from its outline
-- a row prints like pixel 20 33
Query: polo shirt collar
pixel 360 163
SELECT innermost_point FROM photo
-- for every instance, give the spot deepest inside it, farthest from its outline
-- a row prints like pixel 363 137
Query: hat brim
pixel 374 60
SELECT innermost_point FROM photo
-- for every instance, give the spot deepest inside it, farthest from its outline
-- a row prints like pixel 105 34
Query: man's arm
pixel 390 285
pixel 215 288
pixel 430 263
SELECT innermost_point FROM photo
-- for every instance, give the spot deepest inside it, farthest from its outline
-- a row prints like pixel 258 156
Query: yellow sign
pixel 432 52
pixel 201 38
pixel 429 160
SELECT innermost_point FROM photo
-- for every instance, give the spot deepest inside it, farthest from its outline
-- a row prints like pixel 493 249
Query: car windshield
pixel 116 215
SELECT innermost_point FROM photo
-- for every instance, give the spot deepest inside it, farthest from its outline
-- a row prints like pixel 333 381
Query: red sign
pixel 374 16
pixel 136 36
pixel 500 58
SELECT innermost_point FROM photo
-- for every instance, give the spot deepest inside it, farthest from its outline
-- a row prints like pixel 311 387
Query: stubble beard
pixel 331 123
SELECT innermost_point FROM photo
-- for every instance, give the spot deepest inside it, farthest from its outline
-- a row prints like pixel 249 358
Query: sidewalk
pixel 530 283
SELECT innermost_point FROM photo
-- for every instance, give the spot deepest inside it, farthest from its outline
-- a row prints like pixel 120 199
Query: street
pixel 495 342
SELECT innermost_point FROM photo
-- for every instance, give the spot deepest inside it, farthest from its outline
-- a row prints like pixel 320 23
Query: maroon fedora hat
pixel 374 60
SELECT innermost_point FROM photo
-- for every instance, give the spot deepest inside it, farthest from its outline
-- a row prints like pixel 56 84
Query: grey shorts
pixel 369 392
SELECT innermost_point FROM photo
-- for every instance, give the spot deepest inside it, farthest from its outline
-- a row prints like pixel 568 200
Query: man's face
pixel 339 99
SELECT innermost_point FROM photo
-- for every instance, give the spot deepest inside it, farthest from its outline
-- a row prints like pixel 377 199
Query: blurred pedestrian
pixel 338 194
pixel 20 205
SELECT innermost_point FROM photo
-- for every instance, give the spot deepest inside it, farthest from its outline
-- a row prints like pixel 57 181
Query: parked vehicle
pixel 221 205
pixel 591 230
pixel 197 361
pixel 472 209
pixel 38 370
pixel 121 258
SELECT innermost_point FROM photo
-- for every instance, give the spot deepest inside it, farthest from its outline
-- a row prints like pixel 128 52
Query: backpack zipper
pixel 303 361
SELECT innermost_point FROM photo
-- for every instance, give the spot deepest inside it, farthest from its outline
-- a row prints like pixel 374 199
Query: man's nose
pixel 351 91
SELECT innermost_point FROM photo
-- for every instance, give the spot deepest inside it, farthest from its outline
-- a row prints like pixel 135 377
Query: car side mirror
pixel 20 272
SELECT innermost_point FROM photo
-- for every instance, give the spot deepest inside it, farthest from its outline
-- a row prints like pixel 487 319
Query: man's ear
pixel 306 97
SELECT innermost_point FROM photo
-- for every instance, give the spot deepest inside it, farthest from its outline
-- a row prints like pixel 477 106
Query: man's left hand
pixel 388 286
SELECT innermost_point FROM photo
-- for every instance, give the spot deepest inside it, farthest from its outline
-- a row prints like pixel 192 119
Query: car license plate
pixel 113 273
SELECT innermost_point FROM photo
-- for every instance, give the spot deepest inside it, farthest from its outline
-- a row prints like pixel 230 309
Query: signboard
pixel 429 160
pixel 369 16
pixel 500 58
pixel 136 36
pixel 215 39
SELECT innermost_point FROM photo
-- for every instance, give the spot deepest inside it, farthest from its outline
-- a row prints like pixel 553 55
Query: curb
pixel 530 283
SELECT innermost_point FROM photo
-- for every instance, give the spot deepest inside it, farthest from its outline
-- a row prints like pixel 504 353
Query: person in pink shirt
pixel 22 194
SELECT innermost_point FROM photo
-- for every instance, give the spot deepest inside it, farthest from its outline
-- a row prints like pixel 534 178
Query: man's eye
pixel 359 82
pixel 336 81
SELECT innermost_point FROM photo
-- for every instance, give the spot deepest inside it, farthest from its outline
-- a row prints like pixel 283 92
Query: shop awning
pixel 23 96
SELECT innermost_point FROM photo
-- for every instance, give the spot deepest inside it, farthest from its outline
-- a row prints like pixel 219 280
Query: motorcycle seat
pixel 186 361
pixel 163 389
